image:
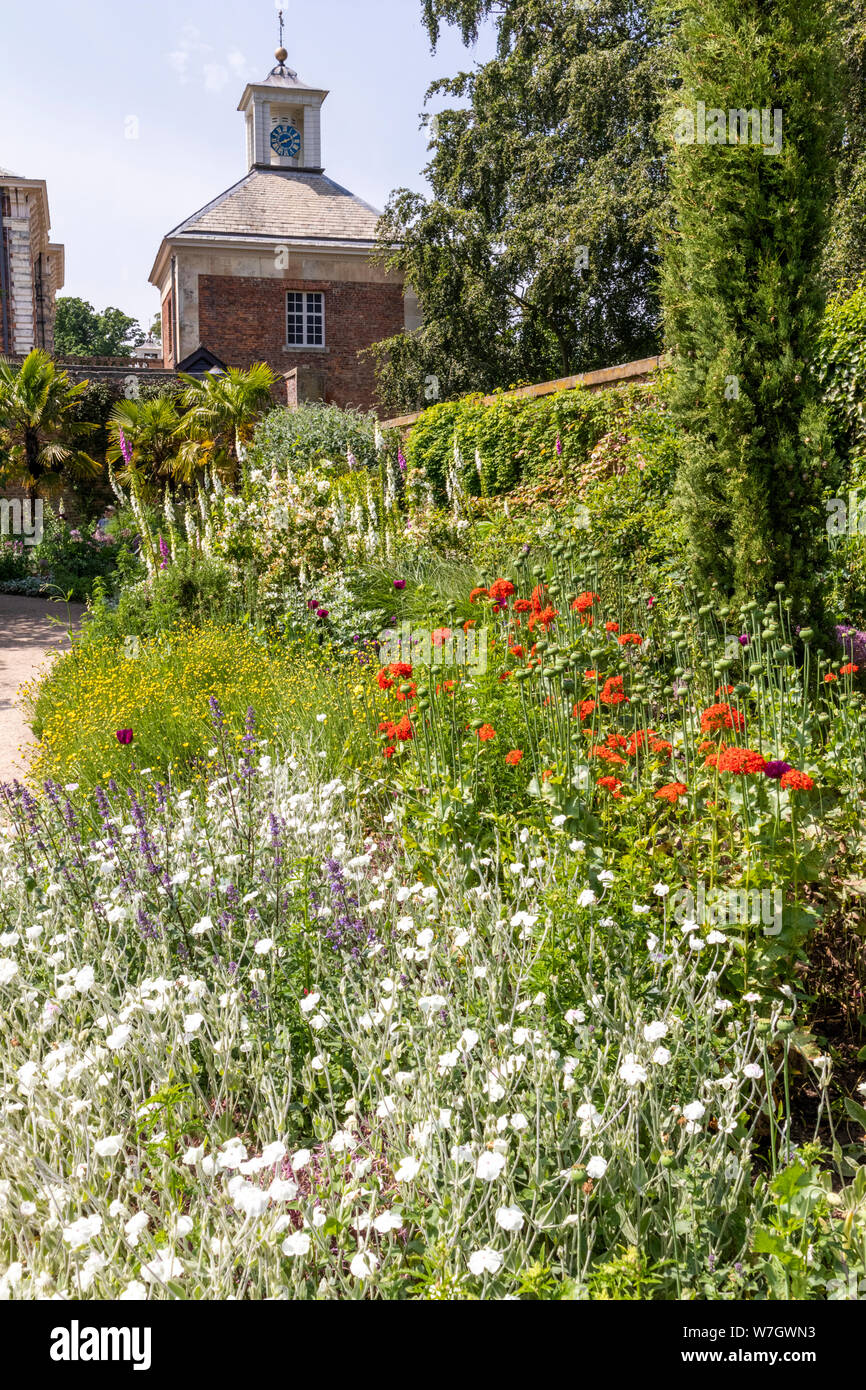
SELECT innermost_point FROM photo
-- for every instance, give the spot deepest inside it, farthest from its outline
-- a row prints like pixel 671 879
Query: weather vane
pixel 281 29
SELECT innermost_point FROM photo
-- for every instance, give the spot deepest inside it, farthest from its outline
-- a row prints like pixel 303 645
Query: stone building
pixel 278 268
pixel 31 266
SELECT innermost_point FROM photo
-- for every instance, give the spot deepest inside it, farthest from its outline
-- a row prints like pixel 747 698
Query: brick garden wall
pixel 243 320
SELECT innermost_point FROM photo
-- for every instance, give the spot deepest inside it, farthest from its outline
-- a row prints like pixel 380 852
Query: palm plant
pixel 222 412
pixel 150 436
pixel 39 434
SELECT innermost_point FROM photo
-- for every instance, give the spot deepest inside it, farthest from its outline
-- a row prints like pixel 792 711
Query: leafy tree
pixel 156 328
pixel 845 256
pixel 150 430
pixel 742 291
pixel 39 434
pixel 553 150
pixel 222 411
pixel 79 331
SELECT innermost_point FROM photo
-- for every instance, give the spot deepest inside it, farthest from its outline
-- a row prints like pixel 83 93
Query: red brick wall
pixel 168 330
pixel 243 320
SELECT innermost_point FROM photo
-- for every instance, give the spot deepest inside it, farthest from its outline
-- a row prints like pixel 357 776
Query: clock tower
pixel 283 121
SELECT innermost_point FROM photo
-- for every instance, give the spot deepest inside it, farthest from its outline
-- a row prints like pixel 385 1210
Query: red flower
pixel 517 652
pixel 123 735
pixel 514 757
pixel 501 590
pixel 742 760
pixel 440 636
pixel 545 616
pixel 470 622
pixel 611 627
pixel 630 639
pixel 522 605
pixel 405 695
pixel 504 676
pixel 725 690
pixel 404 730
pixel 547 774
pixel 795 781
pixel 613 694
pixel 849 669
pixel 590 675
pixel 830 676
pixel 671 791
pixel 661 746
pixel 617 741
pixel 486 733
pixel 607 755
pixel 384 682
pixel 400 668
pixel 717 717
pixel 476 594
pixel 584 709
pixel 584 601
pixel 611 784
pixel 388 752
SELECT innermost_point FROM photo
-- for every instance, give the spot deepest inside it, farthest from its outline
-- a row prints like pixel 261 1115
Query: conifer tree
pixel 741 285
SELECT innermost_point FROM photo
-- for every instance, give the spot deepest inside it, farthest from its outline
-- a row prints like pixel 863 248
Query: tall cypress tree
pixel 741 284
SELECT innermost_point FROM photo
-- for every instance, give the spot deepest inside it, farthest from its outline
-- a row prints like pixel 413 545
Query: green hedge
pixel 516 438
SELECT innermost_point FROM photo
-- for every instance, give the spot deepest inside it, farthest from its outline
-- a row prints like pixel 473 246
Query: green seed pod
pixel 785 1026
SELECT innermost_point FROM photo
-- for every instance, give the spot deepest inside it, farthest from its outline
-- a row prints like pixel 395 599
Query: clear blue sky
pixel 76 78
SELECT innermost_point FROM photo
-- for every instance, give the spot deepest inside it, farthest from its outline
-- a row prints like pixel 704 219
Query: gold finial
pixel 281 55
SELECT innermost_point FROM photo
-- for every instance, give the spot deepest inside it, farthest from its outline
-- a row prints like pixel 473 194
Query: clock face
pixel 285 140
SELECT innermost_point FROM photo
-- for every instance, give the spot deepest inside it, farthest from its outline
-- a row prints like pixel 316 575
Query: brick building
pixel 31 266
pixel 278 268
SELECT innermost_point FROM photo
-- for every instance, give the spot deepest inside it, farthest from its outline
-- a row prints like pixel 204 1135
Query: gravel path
pixel 28 640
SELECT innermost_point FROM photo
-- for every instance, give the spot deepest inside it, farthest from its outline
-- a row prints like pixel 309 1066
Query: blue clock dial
pixel 285 140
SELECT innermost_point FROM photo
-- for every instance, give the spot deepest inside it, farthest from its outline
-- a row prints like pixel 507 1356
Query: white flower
pixel 193 1155
pixel 639 909
pixel 262 947
pixel 297 1244
pixel 309 1002
pixel 161 1270
pixel 300 1160
pixel 661 1056
pixel 363 1265
pixel 519 1121
pixel 654 1031
pixel 82 1232
pixel 751 998
pixel 135 1292
pixel 631 1072
pixel 119 1038
pixel 489 1166
pixel 661 890
pixel 717 938
pixel 467 1040
pixel 135 1226
pixel 108 1147
pixel 8 971
pixel 447 1060
pixel 425 938
pixel 192 1023
pixel 485 1261
pixel 388 1221
pixel 510 1218
pixel 575 1016
pixel 204 924
pixel 597 1167
pixel 272 1153
pixel 695 1110
pixel 606 876
pixel 404 924
pixel 84 979
pixel 586 898
pixel 752 1070
pixel 283 1190
pixel 341 1141
pixel 408 1169
pixel 429 1003
pixel 247 1197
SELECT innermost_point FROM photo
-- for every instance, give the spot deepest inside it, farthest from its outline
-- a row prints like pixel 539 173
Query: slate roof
pixel 286 204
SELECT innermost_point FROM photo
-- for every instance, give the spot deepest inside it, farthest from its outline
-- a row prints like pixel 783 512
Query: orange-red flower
pixel 403 730
pixel 545 617
pixel 612 693
pixel 584 709
pixel 629 639
pixel 486 733
pixel 671 791
pixel 476 594
pixel 590 675
pixel 830 676
pixel 440 636
pixel 384 680
pixel 522 605
pixel 514 757
pixel 584 601
pixel 795 781
pixel 388 752
pixel 501 590
pixel 742 760
pixel 717 717
pixel 724 690
pixel 504 675
pixel 517 652
pixel 849 669
pixel 607 755
pixel 611 627
pixel 400 668
pixel 611 784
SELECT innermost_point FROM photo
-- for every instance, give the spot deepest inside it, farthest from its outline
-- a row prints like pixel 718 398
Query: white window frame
pixel 312 311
